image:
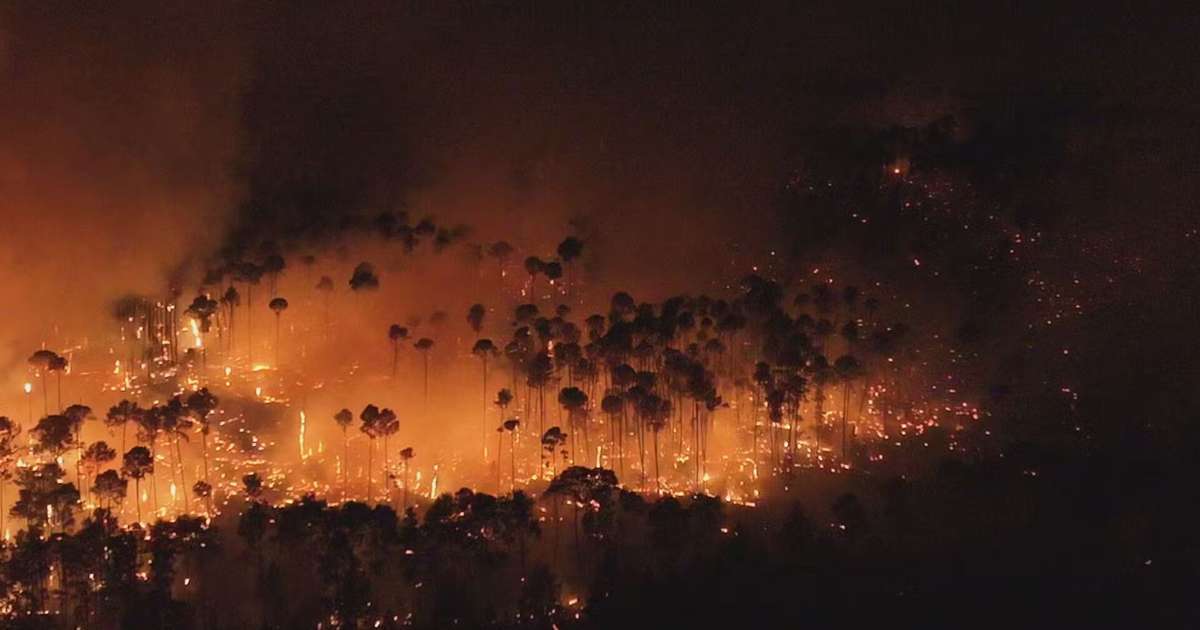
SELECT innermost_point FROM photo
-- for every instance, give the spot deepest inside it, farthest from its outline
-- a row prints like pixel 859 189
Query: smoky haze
pixel 139 142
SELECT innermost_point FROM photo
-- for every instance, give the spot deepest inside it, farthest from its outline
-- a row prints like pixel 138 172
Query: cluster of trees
pixel 772 368
pixel 587 553
pixel 46 501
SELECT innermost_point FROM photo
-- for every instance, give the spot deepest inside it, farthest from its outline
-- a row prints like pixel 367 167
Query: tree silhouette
pixel 344 419
pixel 406 455
pixel 501 251
pixel 250 274
pixel 177 425
pixel 397 334
pixel 278 305
pixel 475 316
pixel 230 300
pixel 552 441
pixel 614 407
pixel 848 370
pixel 370 428
pixel 425 344
pixel 325 288
pixel 511 425
pixel 136 464
pixel 655 411
pixel 569 250
pixel 150 423
pixel 364 278
pixel 484 349
pixel 41 361
pixel 77 414
pixel 533 266
pixel 574 400
pixel 386 425
pixel 110 488
pixel 120 415
pixel 43 499
pixel 95 457
pixel 58 365
pixel 273 265
pixel 201 403
pixel 553 270
pixel 202 309
pixel 9 432
pixel 54 434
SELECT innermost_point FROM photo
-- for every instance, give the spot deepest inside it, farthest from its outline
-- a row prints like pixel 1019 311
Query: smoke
pixel 118 131
pixel 140 141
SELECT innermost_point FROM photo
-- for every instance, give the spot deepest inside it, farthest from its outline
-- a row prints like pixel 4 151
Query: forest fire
pixel 587 316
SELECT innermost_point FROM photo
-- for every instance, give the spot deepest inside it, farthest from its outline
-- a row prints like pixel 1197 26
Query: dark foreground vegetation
pixel 1039 537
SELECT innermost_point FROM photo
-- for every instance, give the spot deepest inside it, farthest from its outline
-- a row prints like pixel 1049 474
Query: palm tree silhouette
pixel 475 316
pixel 501 251
pixel 202 309
pixel 250 274
pixel 120 415
pixel 656 410
pixel 137 463
pixel 406 456
pixel 848 370
pixel 344 419
pixel 533 266
pixel 568 250
pixel 370 427
pixel 553 270
pixel 77 414
pixel 511 425
pixel 364 278
pixel 325 288
pixel 425 344
pixel 58 365
pixel 575 402
pixel 552 440
pixel 396 333
pixel 278 305
pixel 386 425
pixel 41 361
pixel 177 425
pixel 200 404
pixel 538 373
pixel 149 426
pixel 614 407
pixel 484 349
pixel 230 300
pixel 273 265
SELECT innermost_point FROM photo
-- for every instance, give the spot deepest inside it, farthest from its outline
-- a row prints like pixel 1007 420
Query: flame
pixel 196 334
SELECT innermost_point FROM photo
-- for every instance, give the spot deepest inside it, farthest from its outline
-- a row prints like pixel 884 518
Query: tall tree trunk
pixel 483 426
pixel 370 464
pixel 845 405
pixel 657 474
pixel 182 476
